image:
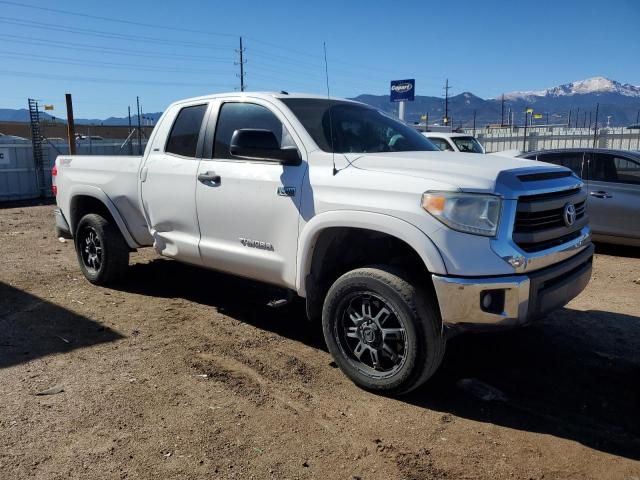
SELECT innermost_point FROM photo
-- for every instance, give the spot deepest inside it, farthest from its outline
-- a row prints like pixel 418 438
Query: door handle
pixel 600 194
pixel 209 177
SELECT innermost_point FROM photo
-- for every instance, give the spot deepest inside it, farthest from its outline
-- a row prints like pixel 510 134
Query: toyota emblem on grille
pixel 569 214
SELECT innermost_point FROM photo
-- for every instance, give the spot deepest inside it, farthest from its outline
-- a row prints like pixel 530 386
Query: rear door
pixel 614 195
pixel 249 213
pixel 168 183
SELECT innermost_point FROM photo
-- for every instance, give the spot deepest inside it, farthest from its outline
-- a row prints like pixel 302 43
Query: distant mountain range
pixel 22 115
pixel 619 101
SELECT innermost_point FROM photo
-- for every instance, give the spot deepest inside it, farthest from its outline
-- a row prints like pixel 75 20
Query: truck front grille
pixel 540 220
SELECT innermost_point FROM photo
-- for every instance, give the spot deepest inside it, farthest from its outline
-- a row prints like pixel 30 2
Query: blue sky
pixel 487 47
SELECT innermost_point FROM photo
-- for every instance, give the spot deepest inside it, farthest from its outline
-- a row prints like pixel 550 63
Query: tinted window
pixel 441 143
pixel 236 116
pixel 345 127
pixel 611 168
pixel 467 144
pixel 183 139
pixel 572 160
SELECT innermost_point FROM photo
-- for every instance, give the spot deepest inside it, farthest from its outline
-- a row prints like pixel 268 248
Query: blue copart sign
pixel 403 90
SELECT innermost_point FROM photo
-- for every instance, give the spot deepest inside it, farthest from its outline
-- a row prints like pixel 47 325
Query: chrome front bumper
pixel 518 299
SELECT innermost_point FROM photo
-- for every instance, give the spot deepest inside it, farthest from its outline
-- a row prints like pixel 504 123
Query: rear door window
pixel 183 138
pixel 572 160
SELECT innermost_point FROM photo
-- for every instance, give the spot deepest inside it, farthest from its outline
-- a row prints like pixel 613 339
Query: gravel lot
pixel 184 373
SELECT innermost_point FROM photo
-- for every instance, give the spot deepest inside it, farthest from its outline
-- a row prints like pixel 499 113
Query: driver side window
pixel 236 116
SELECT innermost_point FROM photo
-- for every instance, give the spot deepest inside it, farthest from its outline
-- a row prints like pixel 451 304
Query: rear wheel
pixel 383 332
pixel 102 253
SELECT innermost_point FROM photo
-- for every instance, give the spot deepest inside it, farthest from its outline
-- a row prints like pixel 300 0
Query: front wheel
pixel 102 253
pixel 384 333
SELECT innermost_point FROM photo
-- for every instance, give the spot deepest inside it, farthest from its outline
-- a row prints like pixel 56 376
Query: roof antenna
pixel 326 73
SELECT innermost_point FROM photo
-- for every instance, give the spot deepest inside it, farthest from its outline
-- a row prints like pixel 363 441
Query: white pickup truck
pixel 394 247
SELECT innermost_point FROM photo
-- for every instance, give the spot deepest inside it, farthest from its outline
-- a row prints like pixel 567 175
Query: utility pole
pixel 446 102
pixel 241 63
pixel 638 123
pixel 524 141
pixel 595 127
pixel 129 135
pixel 474 119
pixel 139 127
pixel 501 114
pixel 71 128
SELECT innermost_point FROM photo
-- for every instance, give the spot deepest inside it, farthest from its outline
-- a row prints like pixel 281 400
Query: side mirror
pixel 262 145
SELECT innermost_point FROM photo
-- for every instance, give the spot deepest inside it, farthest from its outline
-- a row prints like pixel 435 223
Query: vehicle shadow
pixel 32 328
pixel 574 375
pixel 617 250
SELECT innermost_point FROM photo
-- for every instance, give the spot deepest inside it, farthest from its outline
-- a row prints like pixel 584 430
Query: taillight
pixel 54 174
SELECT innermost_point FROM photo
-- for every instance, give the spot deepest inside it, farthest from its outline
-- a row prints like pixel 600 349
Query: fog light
pixel 492 301
pixel 486 301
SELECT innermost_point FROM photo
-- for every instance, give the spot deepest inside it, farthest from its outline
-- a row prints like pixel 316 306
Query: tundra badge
pixel 287 191
pixel 255 244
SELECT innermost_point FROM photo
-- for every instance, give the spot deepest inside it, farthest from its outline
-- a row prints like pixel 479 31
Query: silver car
pixel 612 178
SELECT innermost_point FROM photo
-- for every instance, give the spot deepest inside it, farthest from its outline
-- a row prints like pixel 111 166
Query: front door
pixel 168 183
pixel 614 195
pixel 248 210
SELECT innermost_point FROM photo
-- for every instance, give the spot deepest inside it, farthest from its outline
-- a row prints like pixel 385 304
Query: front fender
pixel 379 222
pixel 99 194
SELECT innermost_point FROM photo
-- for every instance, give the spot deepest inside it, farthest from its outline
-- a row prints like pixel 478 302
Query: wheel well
pixel 338 250
pixel 83 205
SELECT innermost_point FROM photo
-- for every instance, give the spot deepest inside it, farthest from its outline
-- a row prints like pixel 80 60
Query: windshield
pixel 356 128
pixel 467 144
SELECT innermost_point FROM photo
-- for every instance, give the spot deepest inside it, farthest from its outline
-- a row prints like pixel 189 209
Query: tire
pixel 102 253
pixel 393 352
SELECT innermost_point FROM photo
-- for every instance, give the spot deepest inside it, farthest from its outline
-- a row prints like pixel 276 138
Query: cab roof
pixel 262 95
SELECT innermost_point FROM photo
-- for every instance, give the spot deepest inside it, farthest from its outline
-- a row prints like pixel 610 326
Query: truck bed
pixel 114 175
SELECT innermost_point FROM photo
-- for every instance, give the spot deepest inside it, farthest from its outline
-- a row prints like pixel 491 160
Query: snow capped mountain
pixel 595 85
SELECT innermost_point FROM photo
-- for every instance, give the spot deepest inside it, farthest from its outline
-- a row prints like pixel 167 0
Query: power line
pixel 106 80
pixel 109 50
pixel 130 66
pixel 351 66
pixel 115 20
pixel 103 34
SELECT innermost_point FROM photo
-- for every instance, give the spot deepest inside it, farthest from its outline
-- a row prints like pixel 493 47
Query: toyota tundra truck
pixel 394 246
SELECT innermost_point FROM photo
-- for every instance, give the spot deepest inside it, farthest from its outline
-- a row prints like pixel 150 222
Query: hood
pixel 465 171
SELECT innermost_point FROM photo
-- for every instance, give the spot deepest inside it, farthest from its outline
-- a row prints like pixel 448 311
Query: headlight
pixel 466 212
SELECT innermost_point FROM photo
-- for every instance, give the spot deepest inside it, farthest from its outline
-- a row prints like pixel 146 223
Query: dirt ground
pixel 185 373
